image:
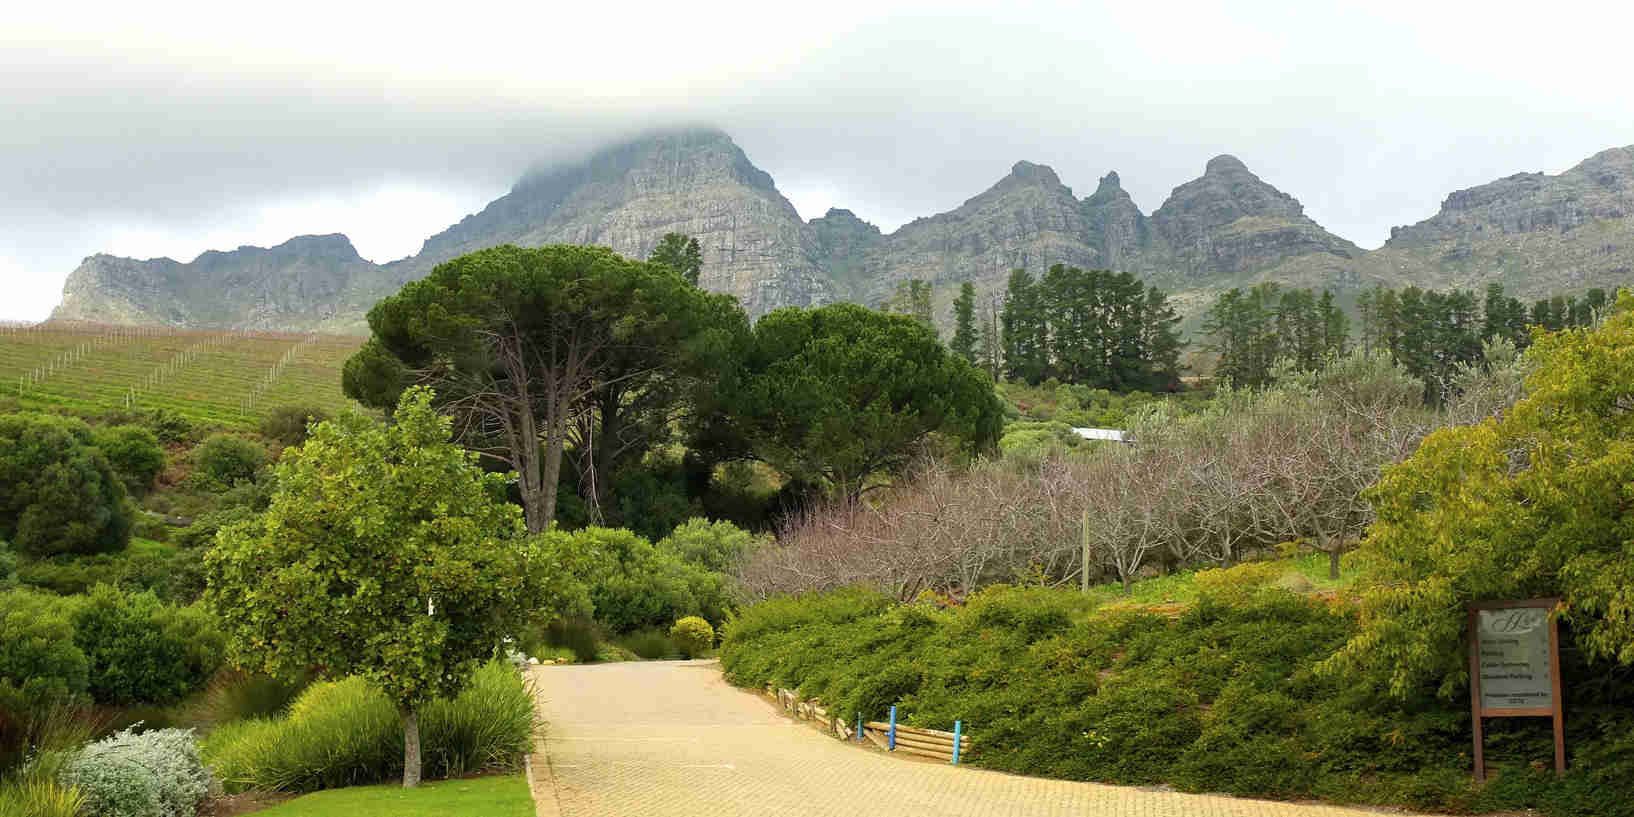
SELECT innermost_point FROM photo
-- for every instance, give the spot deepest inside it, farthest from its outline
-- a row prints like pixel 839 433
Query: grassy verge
pixel 499 796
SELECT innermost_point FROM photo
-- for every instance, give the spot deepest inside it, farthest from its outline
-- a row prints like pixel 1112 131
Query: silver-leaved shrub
pixel 148 774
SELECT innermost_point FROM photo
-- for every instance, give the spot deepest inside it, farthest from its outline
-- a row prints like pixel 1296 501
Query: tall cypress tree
pixel 1024 333
pixel 964 322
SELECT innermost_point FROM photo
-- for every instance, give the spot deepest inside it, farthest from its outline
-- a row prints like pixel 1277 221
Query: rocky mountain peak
pixel 1224 164
pixel 333 247
pixel 1229 220
pixel 1029 173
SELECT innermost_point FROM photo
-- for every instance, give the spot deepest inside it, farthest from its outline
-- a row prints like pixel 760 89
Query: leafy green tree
pixel 680 253
pixel 134 454
pixel 1533 504
pixel 59 493
pixel 835 394
pixel 518 341
pixel 648 395
pixel 386 553
pixel 964 323
pixel 226 459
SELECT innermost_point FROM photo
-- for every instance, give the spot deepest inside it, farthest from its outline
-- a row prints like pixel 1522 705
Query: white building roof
pixel 1114 434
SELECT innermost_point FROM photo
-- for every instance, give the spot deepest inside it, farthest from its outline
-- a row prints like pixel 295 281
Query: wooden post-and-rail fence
pixel 888 735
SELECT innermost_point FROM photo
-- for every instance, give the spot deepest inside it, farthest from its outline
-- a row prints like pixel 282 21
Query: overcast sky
pixel 149 129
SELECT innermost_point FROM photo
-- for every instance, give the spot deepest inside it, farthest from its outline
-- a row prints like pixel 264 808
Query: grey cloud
pixel 1369 122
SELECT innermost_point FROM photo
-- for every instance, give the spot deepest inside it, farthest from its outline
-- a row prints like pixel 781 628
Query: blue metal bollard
pixel 956 731
pixel 892 743
pixel 859 726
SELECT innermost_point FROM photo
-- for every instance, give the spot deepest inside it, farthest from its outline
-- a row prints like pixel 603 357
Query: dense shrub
pixel 345 733
pixel 716 546
pixel 1219 696
pixel 42 672
pixel 650 645
pixel 693 636
pixel 288 424
pixel 634 585
pixel 134 454
pixel 225 459
pixel 170 427
pixel 578 634
pixel 8 567
pixel 151 774
pixel 142 650
pixel 60 496
pixel 176 577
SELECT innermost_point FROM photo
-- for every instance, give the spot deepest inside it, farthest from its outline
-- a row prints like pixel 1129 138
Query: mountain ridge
pixel 1535 233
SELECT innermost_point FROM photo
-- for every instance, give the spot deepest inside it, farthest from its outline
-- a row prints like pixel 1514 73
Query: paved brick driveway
pixel 645 739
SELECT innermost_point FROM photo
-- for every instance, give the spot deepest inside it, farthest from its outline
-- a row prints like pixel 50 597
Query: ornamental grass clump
pixel 148 774
pixel 347 733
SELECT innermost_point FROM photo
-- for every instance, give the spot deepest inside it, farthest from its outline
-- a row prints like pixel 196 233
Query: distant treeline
pixel 1427 331
pixel 1098 328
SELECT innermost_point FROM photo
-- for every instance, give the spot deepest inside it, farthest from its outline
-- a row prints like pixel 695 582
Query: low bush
pixel 650 645
pixel 576 633
pixel 42 673
pixel 176 577
pixel 288 424
pixel 224 459
pixel 346 733
pixel 693 636
pixel 148 774
pixel 8 566
pixel 134 454
pixel 142 651
pixel 1220 695
pixel 60 495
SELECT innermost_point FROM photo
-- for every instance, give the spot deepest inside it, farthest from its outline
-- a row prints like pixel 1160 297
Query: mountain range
pixel 1536 234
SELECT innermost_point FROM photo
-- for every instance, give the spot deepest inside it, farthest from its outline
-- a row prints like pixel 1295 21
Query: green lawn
pixel 498 796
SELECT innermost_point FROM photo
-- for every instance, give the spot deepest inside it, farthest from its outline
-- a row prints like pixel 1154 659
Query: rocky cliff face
pixel 306 282
pixel 1029 219
pixel 1537 234
pixel 697 182
pixel 1228 222
pixel 1218 229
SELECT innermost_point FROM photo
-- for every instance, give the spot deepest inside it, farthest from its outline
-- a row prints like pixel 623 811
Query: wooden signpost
pixel 1514 668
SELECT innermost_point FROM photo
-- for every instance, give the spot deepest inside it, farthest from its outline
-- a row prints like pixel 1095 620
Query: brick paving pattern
pixel 645 739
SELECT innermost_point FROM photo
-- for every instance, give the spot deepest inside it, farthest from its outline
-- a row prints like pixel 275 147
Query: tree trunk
pixel 1333 564
pixel 1127 589
pixel 529 481
pixel 411 748
pixel 555 438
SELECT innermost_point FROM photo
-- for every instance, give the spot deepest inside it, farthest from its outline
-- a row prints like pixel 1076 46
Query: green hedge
pixel 1220 696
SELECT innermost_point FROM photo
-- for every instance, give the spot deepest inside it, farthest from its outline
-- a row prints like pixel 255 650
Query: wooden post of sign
pixel 1475 691
pixel 1517 707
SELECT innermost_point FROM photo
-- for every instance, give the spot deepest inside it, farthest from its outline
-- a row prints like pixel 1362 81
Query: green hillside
pixel 220 377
